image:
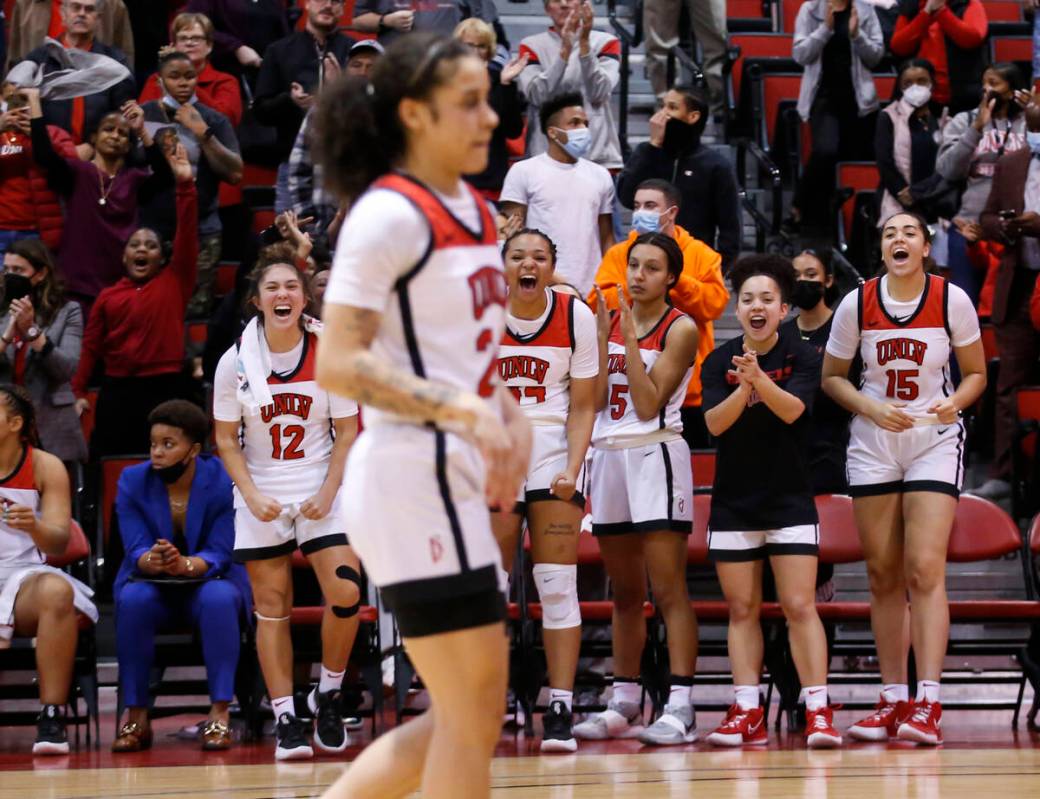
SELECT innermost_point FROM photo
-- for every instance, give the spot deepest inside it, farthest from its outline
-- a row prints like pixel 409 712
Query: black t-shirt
pixel 836 73
pixel 761 472
pixel 829 423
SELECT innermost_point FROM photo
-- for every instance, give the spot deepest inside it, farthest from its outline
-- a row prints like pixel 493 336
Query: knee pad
pixel 558 591
pixel 350 574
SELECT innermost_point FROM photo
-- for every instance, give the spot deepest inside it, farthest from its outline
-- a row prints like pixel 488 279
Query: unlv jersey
pixel 536 368
pixel 906 360
pixel 619 420
pixel 19 488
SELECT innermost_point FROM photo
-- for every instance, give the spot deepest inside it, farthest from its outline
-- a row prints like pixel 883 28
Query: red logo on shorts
pixel 436 548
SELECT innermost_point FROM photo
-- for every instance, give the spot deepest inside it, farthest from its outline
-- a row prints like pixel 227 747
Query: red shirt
pixel 138 328
pixel 219 90
pixel 925 37
pixel 17 211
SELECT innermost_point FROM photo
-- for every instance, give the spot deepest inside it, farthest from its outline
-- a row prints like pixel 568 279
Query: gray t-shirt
pixel 440 16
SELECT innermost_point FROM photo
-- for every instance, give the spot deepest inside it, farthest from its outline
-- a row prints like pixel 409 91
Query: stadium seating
pixel 1025 454
pixel 703 462
pixel 856 184
pixel 756 46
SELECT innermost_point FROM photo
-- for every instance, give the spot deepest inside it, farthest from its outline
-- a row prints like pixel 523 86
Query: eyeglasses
pixel 79 8
pixel 191 39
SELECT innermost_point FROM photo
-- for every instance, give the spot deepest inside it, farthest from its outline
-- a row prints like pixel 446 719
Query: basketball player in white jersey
pixel 642 488
pixel 414 313
pixel 284 441
pixel 549 359
pixel 906 460
pixel 37 600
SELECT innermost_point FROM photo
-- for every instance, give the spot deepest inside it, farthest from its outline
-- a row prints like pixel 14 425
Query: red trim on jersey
pixel 448 231
pixel 532 56
pixel 930 313
pixel 556 332
pixel 22 477
pixel 655 339
pixel 304 371
pixel 612 49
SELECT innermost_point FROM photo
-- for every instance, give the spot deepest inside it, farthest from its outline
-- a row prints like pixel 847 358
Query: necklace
pixel 103 200
pixel 178 506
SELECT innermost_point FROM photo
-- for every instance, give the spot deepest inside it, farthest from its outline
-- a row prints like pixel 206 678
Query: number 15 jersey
pixel 905 346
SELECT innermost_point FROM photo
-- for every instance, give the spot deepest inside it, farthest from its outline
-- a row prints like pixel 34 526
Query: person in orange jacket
pixel 700 292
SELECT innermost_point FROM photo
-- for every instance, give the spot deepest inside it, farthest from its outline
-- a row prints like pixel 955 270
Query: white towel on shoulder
pixel 253 364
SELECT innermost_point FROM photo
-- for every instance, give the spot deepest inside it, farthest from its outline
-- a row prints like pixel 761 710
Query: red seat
pixel 775 89
pixel 746 9
pixel 1003 10
pixel 756 45
pixel 886 86
pixel 1012 48
pixel 111 468
pixel 789 13
pixel 197 332
pixel 703 463
pixel 225 282
pixel 258 176
pixel 697 541
pixel 839 537
pixel 262 218
pixel 989 342
pixel 858 176
pixel 77 549
pixel 981 531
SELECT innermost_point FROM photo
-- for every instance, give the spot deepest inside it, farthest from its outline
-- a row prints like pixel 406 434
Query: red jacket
pixel 1034 306
pixel 23 185
pixel 138 329
pixel 219 90
pixel 985 255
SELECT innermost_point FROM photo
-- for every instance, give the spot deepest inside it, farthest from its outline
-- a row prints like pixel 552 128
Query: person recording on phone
pixel 1012 217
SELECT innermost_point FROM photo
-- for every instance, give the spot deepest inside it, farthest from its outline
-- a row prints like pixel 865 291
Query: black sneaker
pixel 50 733
pixel 329 735
pixel 556 729
pixel 291 734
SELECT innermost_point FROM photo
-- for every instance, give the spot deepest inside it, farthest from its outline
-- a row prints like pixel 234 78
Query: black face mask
pixel 171 474
pixel 680 136
pixel 807 294
pixel 16 287
pixel 1001 100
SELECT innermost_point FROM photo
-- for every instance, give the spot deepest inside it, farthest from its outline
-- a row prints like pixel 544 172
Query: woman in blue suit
pixel 176 517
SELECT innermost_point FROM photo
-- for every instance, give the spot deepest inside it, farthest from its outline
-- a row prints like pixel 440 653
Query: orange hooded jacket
pixel 700 292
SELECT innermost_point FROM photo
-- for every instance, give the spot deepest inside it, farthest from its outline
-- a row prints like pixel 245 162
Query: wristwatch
pixel 32 334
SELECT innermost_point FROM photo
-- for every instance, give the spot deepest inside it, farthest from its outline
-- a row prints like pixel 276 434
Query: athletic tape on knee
pixel 345 572
pixel 261 617
pixel 558 591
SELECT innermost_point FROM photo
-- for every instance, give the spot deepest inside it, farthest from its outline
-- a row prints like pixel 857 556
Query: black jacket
pixel 296 58
pixel 707 182
pixel 510 109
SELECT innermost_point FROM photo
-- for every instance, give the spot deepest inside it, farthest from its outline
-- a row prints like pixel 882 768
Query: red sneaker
pixel 819 729
pixel 924 726
pixel 884 722
pixel 740 727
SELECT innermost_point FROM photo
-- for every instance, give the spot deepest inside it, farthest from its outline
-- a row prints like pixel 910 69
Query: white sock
pixel 283 704
pixel 896 692
pixel 746 696
pixel 627 691
pixel 927 691
pixel 815 697
pixel 680 695
pixel 330 680
pixel 559 695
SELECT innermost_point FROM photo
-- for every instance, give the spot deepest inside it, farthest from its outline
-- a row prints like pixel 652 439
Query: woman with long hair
pixel 906 460
pixel 414 315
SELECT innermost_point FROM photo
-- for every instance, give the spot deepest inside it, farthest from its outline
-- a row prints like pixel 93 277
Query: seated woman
pixel 177 519
pixel 40 344
pixel 137 328
pixel 37 600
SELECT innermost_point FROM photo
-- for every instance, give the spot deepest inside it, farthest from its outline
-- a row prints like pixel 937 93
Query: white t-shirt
pixel 564 201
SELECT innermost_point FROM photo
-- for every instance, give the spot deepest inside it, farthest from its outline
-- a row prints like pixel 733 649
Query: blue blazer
pixel 143 509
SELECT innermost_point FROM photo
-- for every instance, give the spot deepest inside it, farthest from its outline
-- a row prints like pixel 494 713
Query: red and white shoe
pixel 884 722
pixel 819 729
pixel 924 726
pixel 741 727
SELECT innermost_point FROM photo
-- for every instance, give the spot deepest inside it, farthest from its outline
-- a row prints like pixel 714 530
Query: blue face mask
pixel 579 140
pixel 1033 140
pixel 646 221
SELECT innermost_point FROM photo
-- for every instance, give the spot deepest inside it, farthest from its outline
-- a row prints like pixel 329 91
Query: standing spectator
pixel 504 98
pixel 28 206
pixel 564 195
pixel 952 35
pixel 1016 187
pixel 707 183
pixel 700 291
pixel 572 57
pixel 307 195
pixel 837 42
pixel 391 19
pixel 101 196
pixel 41 339
pixel 972 143
pixel 192 34
pixel 149 24
pixel 80 116
pixel 212 149
pixel 177 521
pixel 33 20
pixel 661 28
pixel 137 329
pixel 907 142
pixel 293 73
pixel 244 29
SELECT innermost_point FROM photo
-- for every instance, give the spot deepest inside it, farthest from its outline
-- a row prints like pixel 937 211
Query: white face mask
pixel 917 95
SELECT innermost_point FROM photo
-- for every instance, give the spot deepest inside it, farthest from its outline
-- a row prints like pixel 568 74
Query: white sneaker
pixel 619 720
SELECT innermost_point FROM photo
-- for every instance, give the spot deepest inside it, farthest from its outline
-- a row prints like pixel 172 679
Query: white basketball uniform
pixel 537 368
pixel 641 478
pixel 414 495
pixel 287 448
pixel 906 350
